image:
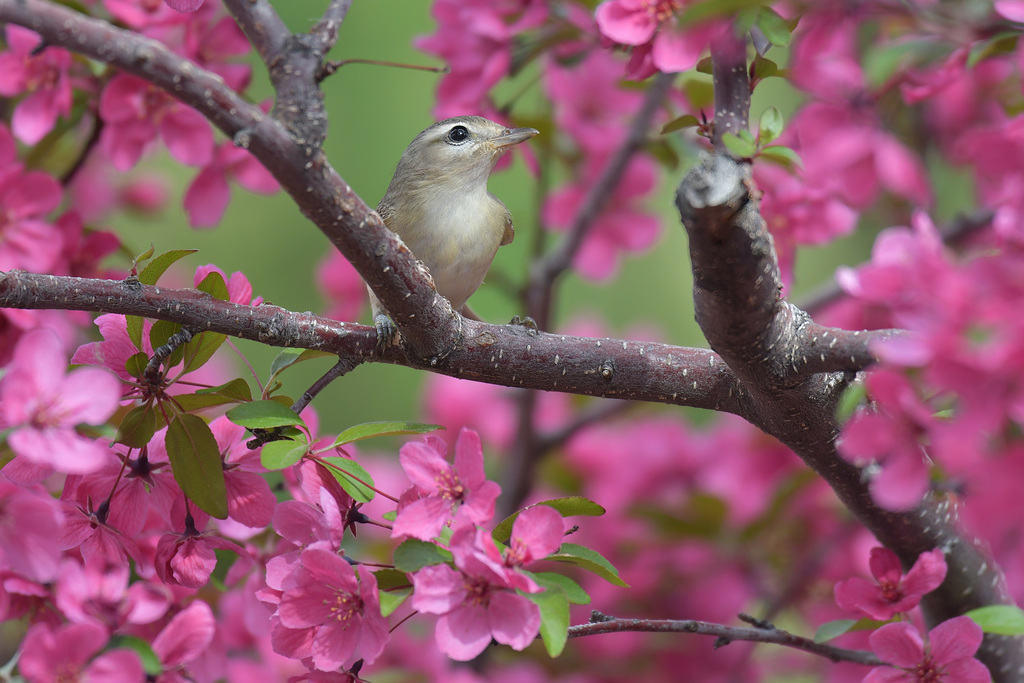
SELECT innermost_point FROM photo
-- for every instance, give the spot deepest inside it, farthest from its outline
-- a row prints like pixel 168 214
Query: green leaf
pixel 144 256
pixel 361 490
pixel 277 455
pixel 235 390
pixel 699 91
pixel 150 662
pixel 554 619
pixel 195 460
pixel 769 126
pixel 413 555
pixel 152 272
pixel 137 427
pixel 773 26
pixel 568 507
pixel 289 357
pixel 263 415
pixel 738 146
pixel 1002 620
pixel 201 349
pixel 784 156
pixel 700 11
pixel 763 67
pixel 588 559
pixel 572 590
pixel 136 365
pixel 684 121
pixel 214 285
pixel 159 334
pixel 391 579
pixel 704 66
pixel 392 600
pixel 853 396
pixel 134 324
pixel 368 430
pixel 833 629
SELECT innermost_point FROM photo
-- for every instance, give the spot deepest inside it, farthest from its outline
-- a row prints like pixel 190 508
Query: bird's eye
pixel 458 134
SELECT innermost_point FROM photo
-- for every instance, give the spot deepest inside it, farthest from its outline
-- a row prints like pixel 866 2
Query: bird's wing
pixel 385 210
pixel 510 232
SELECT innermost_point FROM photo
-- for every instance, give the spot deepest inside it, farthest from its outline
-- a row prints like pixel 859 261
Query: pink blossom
pixel 652 27
pixel 892 592
pixel 342 286
pixel 1011 9
pixel 115 349
pixel 324 600
pixel 621 227
pixel 474 38
pixel 827 61
pixel 86 529
pixel 250 500
pixel 440 490
pixel 99 593
pixel 477 600
pixel 135 112
pixel 588 103
pixel 208 195
pixel 536 533
pixel 890 437
pixel 65 654
pixel 184 5
pixel 188 559
pixel 184 640
pixel 43 405
pixel 28 241
pixel 948 656
pixel 43 75
pixel 30 523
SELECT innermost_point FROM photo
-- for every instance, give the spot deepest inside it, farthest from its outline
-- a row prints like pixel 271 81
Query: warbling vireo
pixel 439 205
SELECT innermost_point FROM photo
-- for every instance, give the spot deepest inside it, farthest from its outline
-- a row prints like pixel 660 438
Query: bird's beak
pixel 513 136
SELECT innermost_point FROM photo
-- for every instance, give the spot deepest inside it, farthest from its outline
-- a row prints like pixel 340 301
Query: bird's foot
pixel 387 331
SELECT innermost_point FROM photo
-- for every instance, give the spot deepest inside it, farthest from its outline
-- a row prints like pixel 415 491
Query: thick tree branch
pixel 765 340
pixel 725 635
pixel 507 355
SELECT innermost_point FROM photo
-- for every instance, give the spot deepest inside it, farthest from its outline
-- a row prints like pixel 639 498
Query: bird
pixel 439 205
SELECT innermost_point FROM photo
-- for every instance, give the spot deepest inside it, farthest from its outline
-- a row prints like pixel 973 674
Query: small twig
pixel 340 369
pixel 332 66
pixel 728 633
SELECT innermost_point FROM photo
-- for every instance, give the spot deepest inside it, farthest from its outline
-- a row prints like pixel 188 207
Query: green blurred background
pixel 374 113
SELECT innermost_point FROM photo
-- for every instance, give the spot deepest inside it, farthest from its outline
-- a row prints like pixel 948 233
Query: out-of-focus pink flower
pixel 184 640
pixel 43 405
pixel 474 38
pixel 135 112
pixel 28 241
pixel 98 593
pixel 43 75
pixel 324 600
pixel 652 27
pixel 184 5
pixel 1011 9
pixel 440 490
pixel 65 653
pixel 891 438
pixel 342 286
pixel 948 657
pixel 208 195
pixel 892 592
pixel 536 533
pixel 621 227
pixel 827 62
pixel 588 103
pixel 477 601
pixel 30 524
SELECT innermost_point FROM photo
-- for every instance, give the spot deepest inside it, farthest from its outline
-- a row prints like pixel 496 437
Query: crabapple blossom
pixel 66 653
pixel 41 74
pixel 659 42
pixel 947 657
pixel 332 613
pixel 477 600
pixel 892 592
pixel 441 490
pixel 42 405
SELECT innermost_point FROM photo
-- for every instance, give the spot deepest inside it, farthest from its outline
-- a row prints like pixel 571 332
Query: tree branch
pixel 507 355
pixel 725 634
